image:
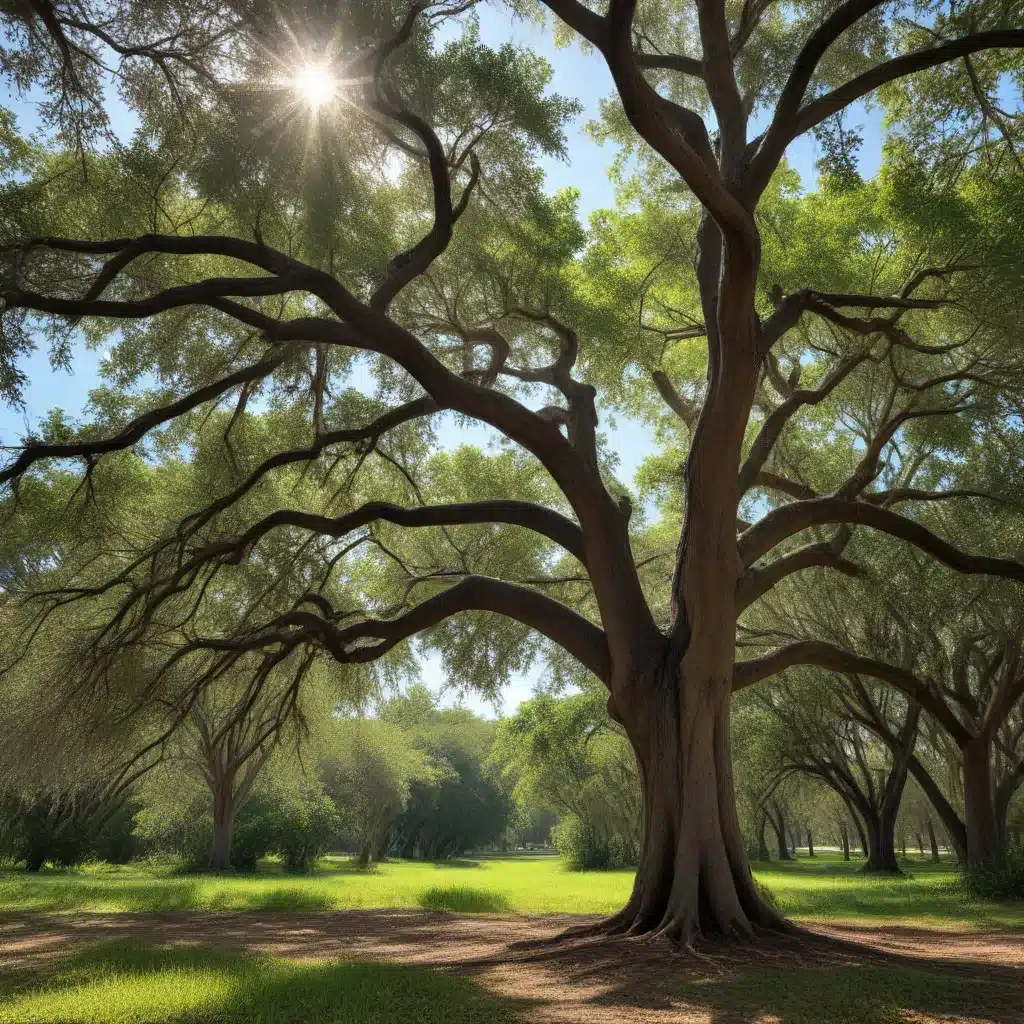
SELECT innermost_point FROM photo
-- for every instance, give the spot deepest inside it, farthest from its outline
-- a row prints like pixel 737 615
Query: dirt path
pixel 924 977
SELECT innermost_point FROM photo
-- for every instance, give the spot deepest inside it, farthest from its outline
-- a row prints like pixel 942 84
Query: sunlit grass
pixel 825 889
pixel 121 983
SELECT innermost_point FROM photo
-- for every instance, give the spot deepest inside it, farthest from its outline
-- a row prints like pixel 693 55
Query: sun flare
pixel 315 85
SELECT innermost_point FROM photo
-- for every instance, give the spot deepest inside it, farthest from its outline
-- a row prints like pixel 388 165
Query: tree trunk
pixel 845 836
pixel 933 841
pixel 979 803
pixel 881 849
pixel 810 844
pixel 763 853
pixel 693 879
pixel 903 845
pixel 780 837
pixel 223 826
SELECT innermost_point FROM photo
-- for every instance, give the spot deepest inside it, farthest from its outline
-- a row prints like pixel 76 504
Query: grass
pixel 120 983
pixel 825 889
pixel 116 982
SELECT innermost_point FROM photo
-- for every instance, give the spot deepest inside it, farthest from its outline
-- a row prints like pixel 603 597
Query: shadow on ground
pixel 379 967
pixel 146 984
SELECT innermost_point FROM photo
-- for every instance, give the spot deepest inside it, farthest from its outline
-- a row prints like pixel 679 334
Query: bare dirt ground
pixel 928 977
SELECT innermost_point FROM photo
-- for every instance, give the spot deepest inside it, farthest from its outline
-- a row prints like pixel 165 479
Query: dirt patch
pixel 829 974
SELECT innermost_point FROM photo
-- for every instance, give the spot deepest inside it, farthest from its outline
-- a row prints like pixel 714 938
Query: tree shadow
pixel 805 979
pixel 457 862
pixel 464 899
pixel 147 983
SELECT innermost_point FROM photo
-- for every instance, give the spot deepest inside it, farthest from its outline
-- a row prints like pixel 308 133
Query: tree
pixel 232 728
pixel 369 771
pixel 219 238
pixel 568 756
pixel 823 742
pixel 462 807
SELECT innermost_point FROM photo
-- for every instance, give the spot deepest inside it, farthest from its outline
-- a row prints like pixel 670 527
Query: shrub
pixel 304 830
pixel 999 878
pixel 583 848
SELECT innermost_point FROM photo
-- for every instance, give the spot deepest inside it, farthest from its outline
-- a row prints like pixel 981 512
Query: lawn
pixel 136 982
pixel 59 966
pixel 823 889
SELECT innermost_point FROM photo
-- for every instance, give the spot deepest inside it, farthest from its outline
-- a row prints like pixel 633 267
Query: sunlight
pixel 315 84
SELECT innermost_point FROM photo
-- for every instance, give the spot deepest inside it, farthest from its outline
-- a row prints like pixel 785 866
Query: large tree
pixel 260 242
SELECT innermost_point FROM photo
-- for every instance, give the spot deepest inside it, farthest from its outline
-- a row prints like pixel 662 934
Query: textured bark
pixel 881 838
pixel 693 879
pixel 979 803
pixel 223 827
pixel 934 843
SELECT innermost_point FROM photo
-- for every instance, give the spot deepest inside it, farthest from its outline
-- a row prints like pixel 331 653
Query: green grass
pixel 825 889
pixel 120 983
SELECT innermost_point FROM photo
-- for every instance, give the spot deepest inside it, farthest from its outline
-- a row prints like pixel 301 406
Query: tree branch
pixel 791 519
pixel 835 659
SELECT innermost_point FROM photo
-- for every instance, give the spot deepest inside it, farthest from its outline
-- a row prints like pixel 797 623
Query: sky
pixel 576 74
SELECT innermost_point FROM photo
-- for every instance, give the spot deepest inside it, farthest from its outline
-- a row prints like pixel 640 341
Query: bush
pixel 1000 878
pixel 583 848
pixel 64 830
pixel 304 831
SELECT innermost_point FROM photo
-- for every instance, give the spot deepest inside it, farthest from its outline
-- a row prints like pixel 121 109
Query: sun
pixel 315 85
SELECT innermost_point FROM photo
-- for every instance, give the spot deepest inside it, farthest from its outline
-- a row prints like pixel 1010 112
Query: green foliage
pixel 305 830
pixel 1001 877
pixel 463 807
pixel 566 755
pixel 583 848
pixel 66 829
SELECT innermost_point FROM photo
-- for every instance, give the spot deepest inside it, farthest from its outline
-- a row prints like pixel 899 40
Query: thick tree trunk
pixel 933 841
pixel 979 803
pixel 845 836
pixel 223 827
pixel 881 849
pixel 693 879
pixel 810 844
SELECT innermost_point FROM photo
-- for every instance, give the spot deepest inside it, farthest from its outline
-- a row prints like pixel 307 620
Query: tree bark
pixel 810 844
pixel 979 803
pixel 845 836
pixel 920 844
pixel 763 853
pixel 780 839
pixel 223 827
pixel 693 879
pixel 933 841
pixel 881 844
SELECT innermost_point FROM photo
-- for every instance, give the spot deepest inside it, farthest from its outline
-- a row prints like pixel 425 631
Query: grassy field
pixel 140 983
pixel 104 981
pixel 824 889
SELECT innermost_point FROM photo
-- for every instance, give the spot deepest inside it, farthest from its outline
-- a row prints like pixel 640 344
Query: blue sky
pixel 575 73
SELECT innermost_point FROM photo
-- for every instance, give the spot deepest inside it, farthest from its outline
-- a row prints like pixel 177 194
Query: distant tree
pixel 369 769
pixel 567 755
pixel 463 807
